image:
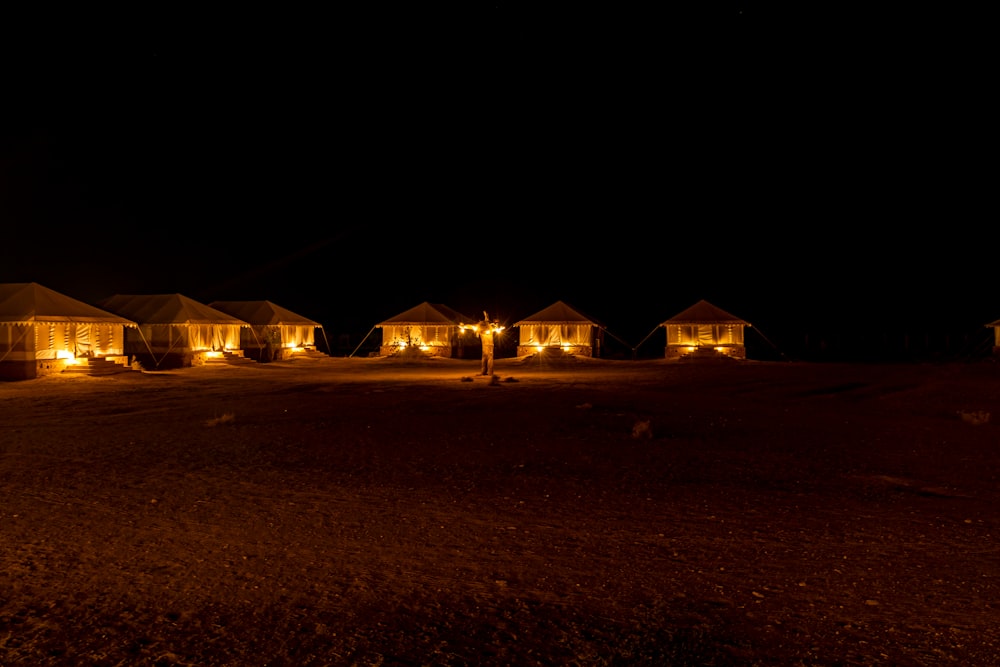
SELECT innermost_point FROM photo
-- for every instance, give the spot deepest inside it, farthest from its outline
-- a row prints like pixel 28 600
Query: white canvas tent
pixel 175 330
pixel 559 327
pixel 704 330
pixel 275 333
pixel 430 328
pixel 43 331
pixel 995 325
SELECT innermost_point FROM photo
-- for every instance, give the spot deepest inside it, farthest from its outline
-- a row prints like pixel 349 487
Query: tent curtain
pixel 116 340
pixel 297 335
pixel 99 339
pixel 279 335
pixel 556 335
pixel 196 337
pixel 417 334
pixel 83 343
pixel 73 339
pixel 223 336
pixel 51 339
pixel 704 335
pixel 201 337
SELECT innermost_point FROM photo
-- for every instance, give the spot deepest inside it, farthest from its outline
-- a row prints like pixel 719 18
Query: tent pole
pixel 606 331
pixel 773 346
pixel 327 340
pixel 644 340
pixel 28 327
pixel 362 342
pixel 170 331
pixel 146 343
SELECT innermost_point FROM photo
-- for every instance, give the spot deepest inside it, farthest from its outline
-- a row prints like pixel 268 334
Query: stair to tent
pixel 306 353
pixel 311 354
pixel 98 366
pixel 229 358
pixel 706 355
pixel 554 357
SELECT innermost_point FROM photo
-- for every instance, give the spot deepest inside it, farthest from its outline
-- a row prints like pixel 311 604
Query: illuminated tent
pixel 432 328
pixel 43 332
pixel 274 332
pixel 996 336
pixel 704 330
pixel 560 327
pixel 175 330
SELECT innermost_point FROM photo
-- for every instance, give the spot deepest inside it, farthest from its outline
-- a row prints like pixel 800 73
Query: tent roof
pixel 704 313
pixel 558 313
pixel 428 313
pixel 262 313
pixel 167 309
pixel 26 303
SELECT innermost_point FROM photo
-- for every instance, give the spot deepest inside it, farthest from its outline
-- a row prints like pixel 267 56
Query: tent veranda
pixel 995 325
pixel 433 329
pixel 175 330
pixel 562 327
pixel 274 333
pixel 43 331
pixel 705 330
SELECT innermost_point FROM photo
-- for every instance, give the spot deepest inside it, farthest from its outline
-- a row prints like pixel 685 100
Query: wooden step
pixel 229 358
pixel 98 366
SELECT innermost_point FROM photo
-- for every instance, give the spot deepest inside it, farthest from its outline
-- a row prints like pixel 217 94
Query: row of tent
pixel 702 330
pixel 43 331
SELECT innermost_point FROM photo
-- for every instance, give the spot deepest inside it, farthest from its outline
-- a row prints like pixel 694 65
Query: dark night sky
pixel 349 166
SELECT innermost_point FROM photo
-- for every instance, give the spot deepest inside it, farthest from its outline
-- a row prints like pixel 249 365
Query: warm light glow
pixel 480 328
pixel 70 361
pixel 213 354
pixel 538 348
pixel 424 348
pixel 64 354
pixel 565 348
pixel 690 349
pixel 402 344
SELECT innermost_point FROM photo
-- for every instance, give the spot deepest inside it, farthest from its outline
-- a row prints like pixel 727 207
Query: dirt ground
pixel 578 512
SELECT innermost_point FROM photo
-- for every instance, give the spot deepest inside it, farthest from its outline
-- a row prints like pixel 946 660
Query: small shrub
pixel 225 418
pixel 974 417
pixel 642 429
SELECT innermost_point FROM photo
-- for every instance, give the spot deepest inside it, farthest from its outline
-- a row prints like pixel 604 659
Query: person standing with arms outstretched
pixel 486 330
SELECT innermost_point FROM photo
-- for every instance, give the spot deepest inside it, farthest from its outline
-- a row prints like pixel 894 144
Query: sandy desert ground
pixel 575 512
